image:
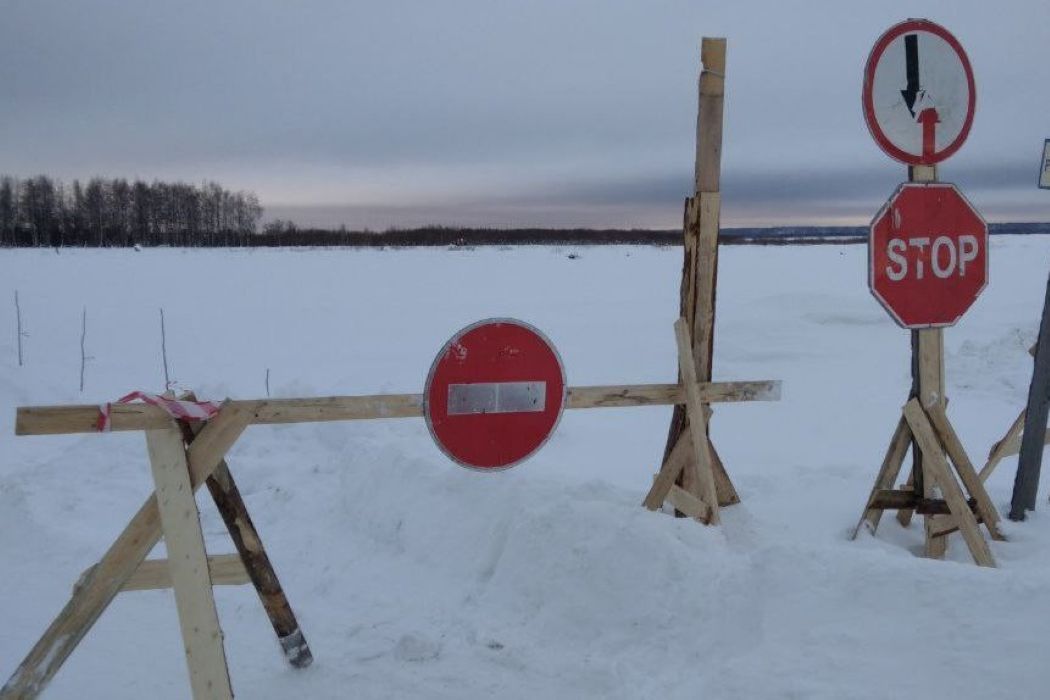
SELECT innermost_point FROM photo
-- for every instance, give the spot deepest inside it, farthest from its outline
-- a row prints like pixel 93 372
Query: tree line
pixel 41 211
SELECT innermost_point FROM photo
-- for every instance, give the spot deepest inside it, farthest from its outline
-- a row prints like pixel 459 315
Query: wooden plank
pixel 252 554
pixel 1030 459
pixel 931 394
pixel 1013 447
pixel 891 499
pixel 94 593
pixel 891 466
pixel 55 420
pixel 153 574
pixel 708 162
pixel 936 465
pixel 1009 445
pixel 904 514
pixel 701 230
pixel 703 329
pixel 668 474
pixel 727 495
pixel 258 567
pixel 188 560
pixel 695 412
pixel 689 504
pixel 663 394
pixel 967 473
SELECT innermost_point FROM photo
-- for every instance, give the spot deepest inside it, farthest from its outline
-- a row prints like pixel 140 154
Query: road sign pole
pixel 1030 461
pixel 928 262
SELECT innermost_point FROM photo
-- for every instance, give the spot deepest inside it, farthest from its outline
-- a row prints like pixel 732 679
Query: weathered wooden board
pixel 153 574
pixel 56 420
pixel 937 466
pixel 188 565
pixel 697 421
pixel 891 466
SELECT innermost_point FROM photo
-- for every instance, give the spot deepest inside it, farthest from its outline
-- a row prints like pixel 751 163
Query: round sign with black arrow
pixel 918 93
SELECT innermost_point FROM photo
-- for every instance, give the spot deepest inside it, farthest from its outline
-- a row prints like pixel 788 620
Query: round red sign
pixel 494 394
pixel 918 93
pixel 927 255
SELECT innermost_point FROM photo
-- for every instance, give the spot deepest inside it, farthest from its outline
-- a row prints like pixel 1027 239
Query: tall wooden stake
pixel 700 267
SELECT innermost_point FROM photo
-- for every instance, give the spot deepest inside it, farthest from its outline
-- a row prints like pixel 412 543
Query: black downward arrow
pixel 911 58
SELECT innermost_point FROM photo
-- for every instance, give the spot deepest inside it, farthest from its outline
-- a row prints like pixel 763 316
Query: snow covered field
pixel 413 577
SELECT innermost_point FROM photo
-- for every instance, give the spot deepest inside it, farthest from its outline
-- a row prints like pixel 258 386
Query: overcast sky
pixel 546 112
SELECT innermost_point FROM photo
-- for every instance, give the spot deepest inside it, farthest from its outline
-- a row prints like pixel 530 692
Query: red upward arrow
pixel 928 119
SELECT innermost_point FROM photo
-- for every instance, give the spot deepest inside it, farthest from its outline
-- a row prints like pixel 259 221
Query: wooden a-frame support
pixel 937 450
pixel 692 477
pixel 181 459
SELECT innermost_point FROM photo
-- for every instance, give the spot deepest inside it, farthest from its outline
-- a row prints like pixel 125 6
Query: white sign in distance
pixel 1044 167
pixel 918 94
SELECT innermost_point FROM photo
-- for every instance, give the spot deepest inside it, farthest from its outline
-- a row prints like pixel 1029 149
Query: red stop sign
pixel 927 255
pixel 494 394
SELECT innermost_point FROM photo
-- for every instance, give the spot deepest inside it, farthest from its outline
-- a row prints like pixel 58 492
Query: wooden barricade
pixel 944 486
pixel 185 456
pixel 692 477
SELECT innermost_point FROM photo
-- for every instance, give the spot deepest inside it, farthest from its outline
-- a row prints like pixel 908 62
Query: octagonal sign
pixel 927 255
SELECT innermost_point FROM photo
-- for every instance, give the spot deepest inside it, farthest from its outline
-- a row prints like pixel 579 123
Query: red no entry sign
pixel 927 255
pixel 918 93
pixel 494 394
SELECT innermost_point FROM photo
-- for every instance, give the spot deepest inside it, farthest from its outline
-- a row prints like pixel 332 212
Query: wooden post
pixel 249 546
pixel 1030 461
pixel 253 554
pixel 931 394
pixel 700 267
pixel 188 563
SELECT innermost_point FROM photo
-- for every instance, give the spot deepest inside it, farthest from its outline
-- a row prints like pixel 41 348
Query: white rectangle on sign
pixel 1044 167
pixel 497 397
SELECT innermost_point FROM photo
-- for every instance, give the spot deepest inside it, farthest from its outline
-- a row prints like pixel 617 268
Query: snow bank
pixel 415 578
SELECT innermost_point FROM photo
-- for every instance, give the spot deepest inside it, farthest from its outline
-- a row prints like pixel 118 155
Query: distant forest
pixel 41 211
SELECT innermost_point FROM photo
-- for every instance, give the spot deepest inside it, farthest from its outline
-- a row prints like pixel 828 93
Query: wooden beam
pixel 1009 445
pixel 967 473
pixel 258 568
pixel 94 593
pixel 188 565
pixel 701 225
pixel 891 466
pixel 154 574
pixel 252 555
pixel 937 467
pixel 687 503
pixel 696 420
pixel 57 420
pixel 930 346
pixel 893 499
pixel 668 474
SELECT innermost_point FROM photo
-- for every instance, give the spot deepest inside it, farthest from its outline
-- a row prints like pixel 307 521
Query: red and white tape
pixel 180 410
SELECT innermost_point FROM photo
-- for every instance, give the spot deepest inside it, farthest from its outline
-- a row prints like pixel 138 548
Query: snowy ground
pixel 415 578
